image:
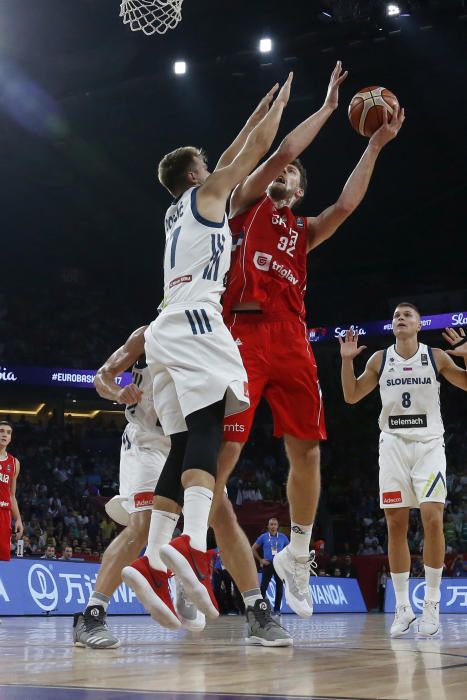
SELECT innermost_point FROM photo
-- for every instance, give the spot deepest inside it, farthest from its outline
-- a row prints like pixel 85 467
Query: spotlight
pixel 179 67
pixel 265 45
pixel 392 10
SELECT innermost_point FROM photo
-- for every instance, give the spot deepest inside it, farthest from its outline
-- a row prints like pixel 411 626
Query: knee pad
pixel 169 482
pixel 205 433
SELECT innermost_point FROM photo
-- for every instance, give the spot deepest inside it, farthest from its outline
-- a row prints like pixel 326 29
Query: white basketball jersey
pixel 197 254
pixel 142 415
pixel 410 395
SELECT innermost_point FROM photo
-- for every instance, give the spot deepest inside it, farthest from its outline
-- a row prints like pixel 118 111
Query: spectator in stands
pixel 27 548
pixel 459 567
pixel 348 568
pixel 229 598
pixel 450 532
pixel 67 553
pixel 49 552
pixel 417 570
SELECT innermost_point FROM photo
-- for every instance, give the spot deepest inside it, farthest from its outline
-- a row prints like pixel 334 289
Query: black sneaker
pixel 263 629
pixel 90 630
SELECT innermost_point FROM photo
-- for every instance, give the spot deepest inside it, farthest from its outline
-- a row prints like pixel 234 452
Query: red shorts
pixel 5 534
pixel 281 367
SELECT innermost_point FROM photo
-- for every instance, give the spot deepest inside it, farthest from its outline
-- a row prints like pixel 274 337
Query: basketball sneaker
pixel 152 590
pixel 192 568
pixel 428 624
pixel 189 615
pixel 295 573
pixel 263 629
pixel 403 620
pixel 90 629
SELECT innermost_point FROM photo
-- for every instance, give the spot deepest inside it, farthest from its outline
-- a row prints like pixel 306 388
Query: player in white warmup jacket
pixel 411 451
pixel 198 375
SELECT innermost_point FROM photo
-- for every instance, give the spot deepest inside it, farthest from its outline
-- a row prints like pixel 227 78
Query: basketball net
pixel 151 16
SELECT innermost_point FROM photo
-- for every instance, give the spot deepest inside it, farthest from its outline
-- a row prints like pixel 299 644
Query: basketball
pixel 366 109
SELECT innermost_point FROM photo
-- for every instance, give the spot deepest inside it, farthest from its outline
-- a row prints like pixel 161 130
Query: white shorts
pixel 140 469
pixel 411 472
pixel 194 362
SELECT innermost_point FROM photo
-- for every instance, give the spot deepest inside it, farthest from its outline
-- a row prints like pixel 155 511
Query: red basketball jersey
pixel 268 260
pixel 7 472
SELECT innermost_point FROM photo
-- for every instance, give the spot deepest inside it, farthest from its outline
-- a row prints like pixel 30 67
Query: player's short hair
pixel 303 178
pixel 174 166
pixel 6 422
pixel 410 306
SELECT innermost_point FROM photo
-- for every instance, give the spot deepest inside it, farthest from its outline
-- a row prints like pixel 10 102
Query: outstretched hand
pixel 389 128
pixel 349 345
pixel 457 339
pixel 263 107
pixel 284 92
pixel 336 80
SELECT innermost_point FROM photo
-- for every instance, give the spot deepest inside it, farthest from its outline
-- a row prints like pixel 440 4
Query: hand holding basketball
pixel 389 128
pixel 337 78
pixel 368 108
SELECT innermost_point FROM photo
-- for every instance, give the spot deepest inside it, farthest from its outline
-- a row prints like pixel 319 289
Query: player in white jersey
pixel 411 452
pixel 196 367
pixel 143 454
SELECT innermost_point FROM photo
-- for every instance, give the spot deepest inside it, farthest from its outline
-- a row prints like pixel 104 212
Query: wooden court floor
pixel 334 656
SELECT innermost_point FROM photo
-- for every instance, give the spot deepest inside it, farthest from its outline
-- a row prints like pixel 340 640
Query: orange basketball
pixel 366 109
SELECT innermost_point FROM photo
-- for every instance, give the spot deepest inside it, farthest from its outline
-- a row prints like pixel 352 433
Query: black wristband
pixel 459 343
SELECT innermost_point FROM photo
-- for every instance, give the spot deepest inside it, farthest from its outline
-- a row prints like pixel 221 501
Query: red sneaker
pixel 192 567
pixel 152 590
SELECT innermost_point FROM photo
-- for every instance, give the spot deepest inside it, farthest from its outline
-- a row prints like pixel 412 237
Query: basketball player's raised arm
pixel 18 528
pixel 290 148
pixel 259 113
pixel 322 227
pixel 356 389
pixel 118 362
pixel 449 370
pixel 211 197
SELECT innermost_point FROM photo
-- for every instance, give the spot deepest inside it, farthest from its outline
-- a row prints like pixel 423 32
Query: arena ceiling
pixel 87 108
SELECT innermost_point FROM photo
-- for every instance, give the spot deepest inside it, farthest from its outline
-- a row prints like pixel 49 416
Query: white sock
pixel 300 537
pixel 97 598
pixel 160 532
pixel 401 588
pixel 433 583
pixel 250 597
pixel 196 507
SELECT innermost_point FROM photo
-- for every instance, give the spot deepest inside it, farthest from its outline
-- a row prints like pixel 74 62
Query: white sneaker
pixel 428 624
pixel 191 618
pixel 403 620
pixel 295 573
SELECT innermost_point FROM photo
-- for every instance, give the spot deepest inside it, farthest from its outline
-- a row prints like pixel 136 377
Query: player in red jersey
pixel 265 311
pixel 9 470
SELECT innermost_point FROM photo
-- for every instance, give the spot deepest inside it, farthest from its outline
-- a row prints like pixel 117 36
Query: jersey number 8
pixel 406 402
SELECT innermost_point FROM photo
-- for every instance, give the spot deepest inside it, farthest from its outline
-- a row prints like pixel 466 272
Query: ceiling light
pixel 392 10
pixel 265 45
pixel 180 67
